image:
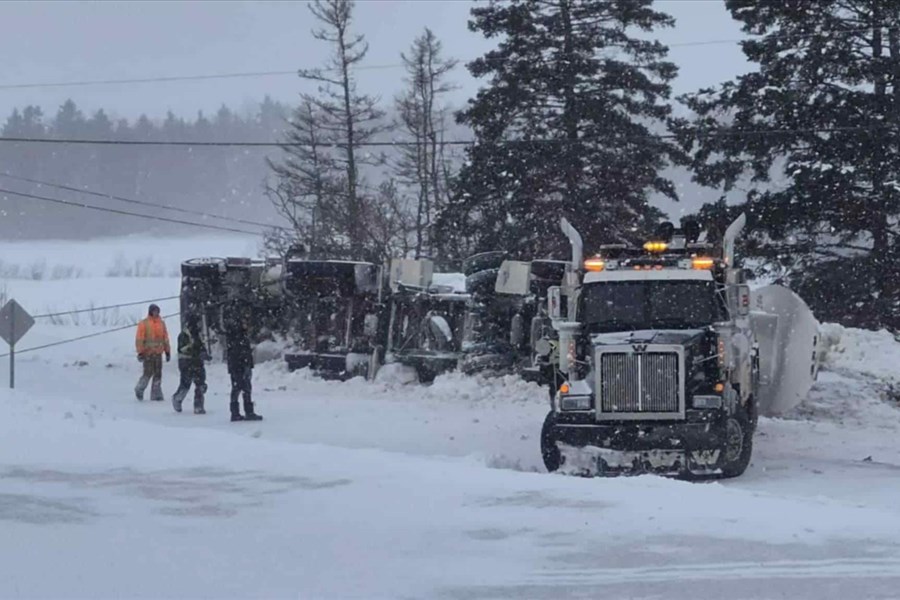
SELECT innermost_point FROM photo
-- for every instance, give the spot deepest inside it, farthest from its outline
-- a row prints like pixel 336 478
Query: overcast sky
pixel 48 42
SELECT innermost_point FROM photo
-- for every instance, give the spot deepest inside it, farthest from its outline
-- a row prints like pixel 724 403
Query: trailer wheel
pixel 549 450
pixel 738 447
pixel 203 268
pixel 485 260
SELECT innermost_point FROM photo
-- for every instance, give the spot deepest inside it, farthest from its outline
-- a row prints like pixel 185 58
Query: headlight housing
pixel 574 402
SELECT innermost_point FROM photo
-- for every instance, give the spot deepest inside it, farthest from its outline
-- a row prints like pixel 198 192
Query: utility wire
pixel 701 133
pixel 79 338
pixel 96 308
pixel 20 86
pixel 138 202
pixel 124 212
pixel 257 74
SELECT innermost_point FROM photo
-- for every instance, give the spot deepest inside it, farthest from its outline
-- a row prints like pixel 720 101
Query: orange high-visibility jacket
pixel 152 337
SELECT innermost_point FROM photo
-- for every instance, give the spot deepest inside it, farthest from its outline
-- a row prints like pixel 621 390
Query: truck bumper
pixel 667 448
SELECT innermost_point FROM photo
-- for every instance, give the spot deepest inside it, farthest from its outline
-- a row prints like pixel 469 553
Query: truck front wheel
pixel 738 446
pixel 549 450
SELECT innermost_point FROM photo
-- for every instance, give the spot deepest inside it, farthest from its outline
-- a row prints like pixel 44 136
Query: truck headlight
pixel 575 402
pixel 707 401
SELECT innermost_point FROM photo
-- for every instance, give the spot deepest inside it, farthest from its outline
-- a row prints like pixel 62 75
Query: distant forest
pixel 224 181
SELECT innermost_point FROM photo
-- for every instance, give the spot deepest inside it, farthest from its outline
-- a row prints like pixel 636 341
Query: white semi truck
pixel 667 356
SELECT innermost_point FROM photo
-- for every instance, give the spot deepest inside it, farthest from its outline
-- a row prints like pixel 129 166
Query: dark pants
pixel 192 372
pixel 241 378
pixel 152 370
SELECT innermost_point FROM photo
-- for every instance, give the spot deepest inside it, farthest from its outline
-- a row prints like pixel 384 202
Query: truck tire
pixel 483 282
pixel 549 450
pixel 203 268
pixel 485 260
pixel 738 447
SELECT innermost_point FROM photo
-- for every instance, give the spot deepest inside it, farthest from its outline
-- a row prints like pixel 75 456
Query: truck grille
pixel 639 382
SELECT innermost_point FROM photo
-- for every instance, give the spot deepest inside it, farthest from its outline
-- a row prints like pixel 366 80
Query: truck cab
pixel 660 362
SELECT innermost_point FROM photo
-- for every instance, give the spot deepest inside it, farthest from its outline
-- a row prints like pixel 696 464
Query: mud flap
pixel 788 336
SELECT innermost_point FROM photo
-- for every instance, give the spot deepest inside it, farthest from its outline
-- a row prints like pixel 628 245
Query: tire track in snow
pixel 788 569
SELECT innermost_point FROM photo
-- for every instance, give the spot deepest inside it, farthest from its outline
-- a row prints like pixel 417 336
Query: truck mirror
pixel 554 302
pixel 514 278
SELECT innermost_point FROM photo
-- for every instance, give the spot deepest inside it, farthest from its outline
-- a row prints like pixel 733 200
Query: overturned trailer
pixel 349 318
pixel 210 287
pixel 426 319
pixel 334 310
pixel 508 327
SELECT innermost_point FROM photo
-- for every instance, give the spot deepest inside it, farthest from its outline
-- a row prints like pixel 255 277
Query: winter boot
pixel 249 415
pixel 198 401
pixel 236 412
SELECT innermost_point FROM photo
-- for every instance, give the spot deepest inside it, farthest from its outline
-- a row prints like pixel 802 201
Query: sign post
pixel 14 323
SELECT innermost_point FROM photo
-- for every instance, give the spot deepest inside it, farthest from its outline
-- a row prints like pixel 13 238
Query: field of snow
pixel 395 490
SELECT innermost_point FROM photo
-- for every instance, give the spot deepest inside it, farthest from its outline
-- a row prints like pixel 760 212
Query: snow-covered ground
pixel 395 490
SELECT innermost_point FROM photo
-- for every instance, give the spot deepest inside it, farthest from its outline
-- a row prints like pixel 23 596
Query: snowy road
pixel 387 490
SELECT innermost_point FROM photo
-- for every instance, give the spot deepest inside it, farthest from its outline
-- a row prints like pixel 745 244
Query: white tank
pixel 788 337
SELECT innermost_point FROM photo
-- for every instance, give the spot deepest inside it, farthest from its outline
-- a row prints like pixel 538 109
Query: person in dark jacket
pixel 191 356
pixel 240 367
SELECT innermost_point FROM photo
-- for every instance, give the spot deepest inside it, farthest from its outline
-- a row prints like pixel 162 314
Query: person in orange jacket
pixel 151 342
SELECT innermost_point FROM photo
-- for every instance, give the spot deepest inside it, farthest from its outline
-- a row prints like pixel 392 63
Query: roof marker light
pixel 594 264
pixel 703 263
pixel 656 246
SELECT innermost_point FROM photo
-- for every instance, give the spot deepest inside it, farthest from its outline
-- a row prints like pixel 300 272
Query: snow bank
pixel 874 353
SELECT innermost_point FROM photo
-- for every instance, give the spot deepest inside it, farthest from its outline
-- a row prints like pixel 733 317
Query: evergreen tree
pixel 567 126
pixel 827 90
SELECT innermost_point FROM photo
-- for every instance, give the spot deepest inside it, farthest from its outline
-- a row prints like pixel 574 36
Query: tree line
pixel 575 117
pixel 222 181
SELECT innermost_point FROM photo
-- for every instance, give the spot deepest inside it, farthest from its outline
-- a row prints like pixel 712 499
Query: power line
pixel 79 338
pixel 400 143
pixel 282 73
pixel 124 212
pixel 96 308
pixel 173 78
pixel 138 202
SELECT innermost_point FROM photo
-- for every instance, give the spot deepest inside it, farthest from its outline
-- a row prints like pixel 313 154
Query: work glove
pixel 140 358
pixel 168 356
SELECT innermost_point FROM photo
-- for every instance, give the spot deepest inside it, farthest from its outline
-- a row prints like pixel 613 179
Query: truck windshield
pixel 630 305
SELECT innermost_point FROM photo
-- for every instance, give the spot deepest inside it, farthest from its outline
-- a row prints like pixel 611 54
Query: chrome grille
pixel 639 382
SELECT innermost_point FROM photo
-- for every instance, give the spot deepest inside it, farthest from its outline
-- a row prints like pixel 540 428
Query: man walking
pixel 240 366
pixel 151 341
pixel 191 355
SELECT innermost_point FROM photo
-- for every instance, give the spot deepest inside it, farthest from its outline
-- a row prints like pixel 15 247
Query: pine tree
pixel 567 127
pixel 828 80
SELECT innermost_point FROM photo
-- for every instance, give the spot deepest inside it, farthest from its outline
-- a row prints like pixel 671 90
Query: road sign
pixel 14 322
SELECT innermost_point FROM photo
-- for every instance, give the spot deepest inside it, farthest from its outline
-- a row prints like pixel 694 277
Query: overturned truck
pixel 668 358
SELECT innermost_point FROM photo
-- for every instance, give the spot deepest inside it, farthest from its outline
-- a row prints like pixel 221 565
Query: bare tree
pixel 307 184
pixel 347 117
pixel 423 165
